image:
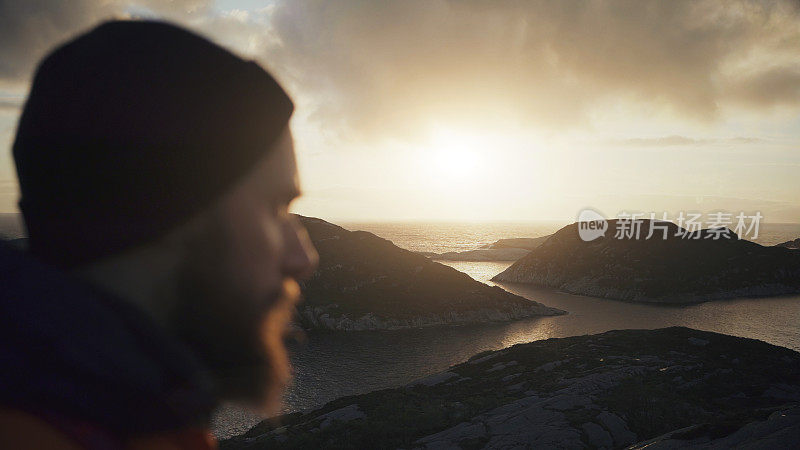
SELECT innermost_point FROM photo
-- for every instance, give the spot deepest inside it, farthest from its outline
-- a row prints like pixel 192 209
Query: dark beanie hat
pixel 131 129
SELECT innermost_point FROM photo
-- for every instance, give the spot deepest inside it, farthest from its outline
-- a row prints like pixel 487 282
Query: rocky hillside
pixel 678 269
pixel 365 282
pixel 666 388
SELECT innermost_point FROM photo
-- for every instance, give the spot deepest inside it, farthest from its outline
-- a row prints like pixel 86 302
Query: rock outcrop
pixel 365 282
pixel 664 388
pixel 793 244
pixel 681 268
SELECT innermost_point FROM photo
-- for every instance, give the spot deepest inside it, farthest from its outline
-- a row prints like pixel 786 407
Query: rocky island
pixel 655 389
pixel 686 267
pixel 365 282
pixel 510 249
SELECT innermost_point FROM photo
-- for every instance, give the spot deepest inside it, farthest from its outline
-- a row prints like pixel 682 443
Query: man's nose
pixel 300 258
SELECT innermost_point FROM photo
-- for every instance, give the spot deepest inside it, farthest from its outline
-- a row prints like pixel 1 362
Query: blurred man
pixel 156 171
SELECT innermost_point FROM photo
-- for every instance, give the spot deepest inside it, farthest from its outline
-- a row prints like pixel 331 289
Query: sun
pixel 454 155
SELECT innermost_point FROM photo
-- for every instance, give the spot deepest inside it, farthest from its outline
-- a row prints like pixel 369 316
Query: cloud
pixel 773 211
pixel 774 87
pixel 378 66
pixel 676 140
pixel 662 141
pixel 29 28
pixel 370 68
pixel 13 104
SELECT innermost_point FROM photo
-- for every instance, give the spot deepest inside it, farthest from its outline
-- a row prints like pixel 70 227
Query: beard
pixel 238 339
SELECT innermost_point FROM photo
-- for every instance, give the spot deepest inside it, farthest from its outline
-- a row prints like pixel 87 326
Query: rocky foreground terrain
pixel 365 282
pixel 654 389
pixel 699 266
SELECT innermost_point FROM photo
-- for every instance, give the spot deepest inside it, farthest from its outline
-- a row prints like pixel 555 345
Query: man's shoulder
pixel 22 430
pixel 40 300
pixel 22 275
pixel 89 355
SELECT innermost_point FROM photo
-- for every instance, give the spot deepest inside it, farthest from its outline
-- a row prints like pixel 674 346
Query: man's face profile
pixel 236 283
pixel 156 170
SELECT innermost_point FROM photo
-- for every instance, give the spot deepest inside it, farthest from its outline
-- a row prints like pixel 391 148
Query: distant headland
pixel 673 266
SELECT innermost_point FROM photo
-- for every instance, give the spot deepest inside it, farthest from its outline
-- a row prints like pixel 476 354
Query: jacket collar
pixel 71 349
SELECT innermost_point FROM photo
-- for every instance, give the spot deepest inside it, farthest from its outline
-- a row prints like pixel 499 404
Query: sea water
pixel 329 365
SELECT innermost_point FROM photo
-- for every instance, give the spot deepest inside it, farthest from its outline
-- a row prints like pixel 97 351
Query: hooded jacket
pixel 82 369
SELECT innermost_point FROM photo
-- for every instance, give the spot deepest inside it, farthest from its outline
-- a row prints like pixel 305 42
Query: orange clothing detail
pixel 25 431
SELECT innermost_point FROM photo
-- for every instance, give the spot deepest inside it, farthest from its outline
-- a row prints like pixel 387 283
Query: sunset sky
pixel 504 110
